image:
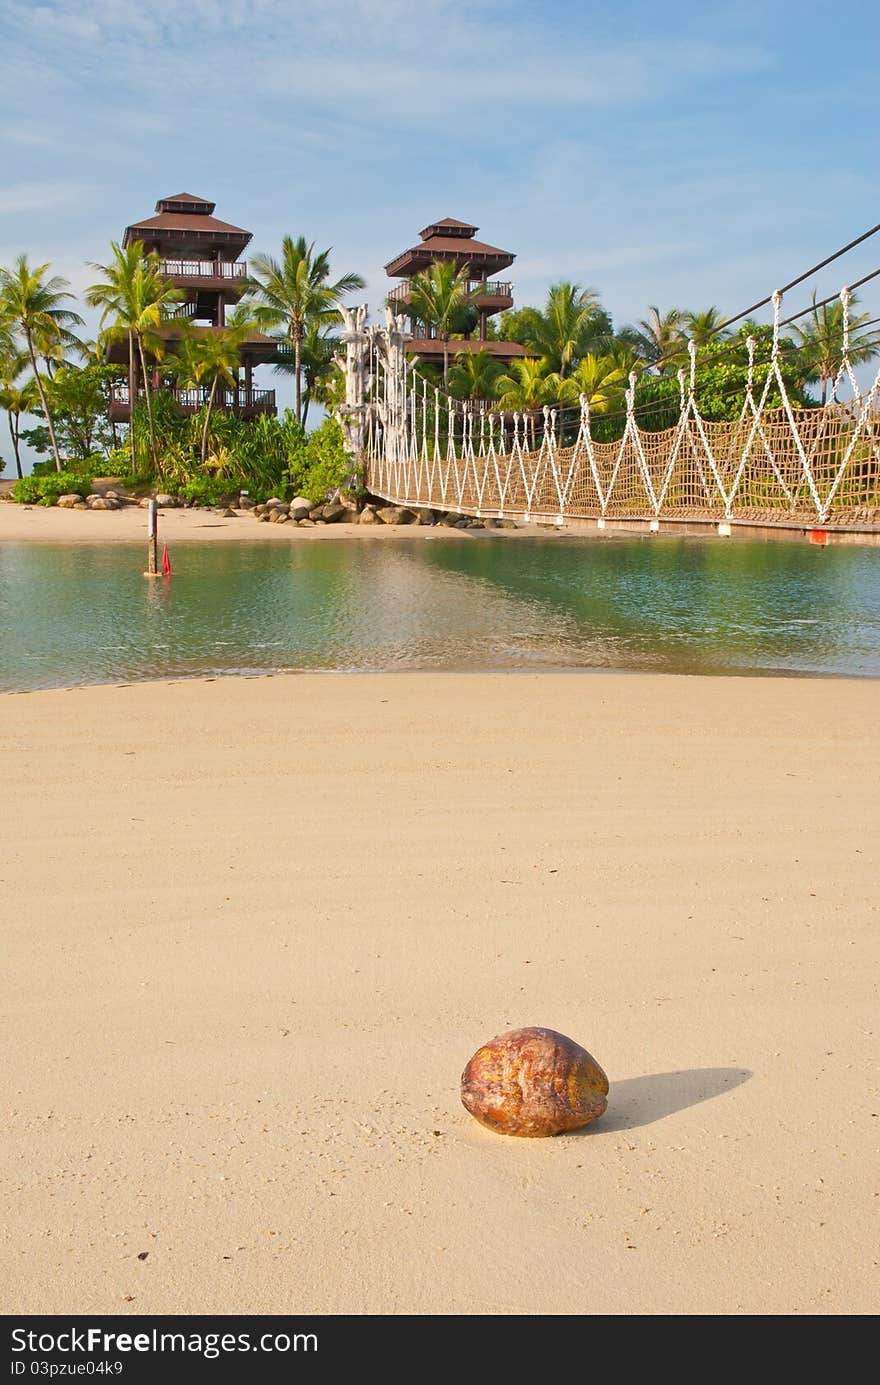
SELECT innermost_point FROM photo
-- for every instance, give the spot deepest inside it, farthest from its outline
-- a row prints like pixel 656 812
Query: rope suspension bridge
pixel 776 465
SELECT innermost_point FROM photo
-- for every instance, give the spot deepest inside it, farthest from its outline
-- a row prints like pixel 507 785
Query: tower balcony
pixel 487 295
pixel 243 402
pixel 227 276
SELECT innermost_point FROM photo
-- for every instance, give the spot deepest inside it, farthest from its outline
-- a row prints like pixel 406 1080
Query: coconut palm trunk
pixel 207 423
pixel 13 433
pixel 45 403
pixel 297 369
pixel 132 395
pixel 149 403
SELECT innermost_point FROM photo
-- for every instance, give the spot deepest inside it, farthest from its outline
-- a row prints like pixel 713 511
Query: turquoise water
pixel 86 615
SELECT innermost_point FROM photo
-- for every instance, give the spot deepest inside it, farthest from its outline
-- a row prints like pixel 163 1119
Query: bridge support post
pixel 724 530
pixel 654 526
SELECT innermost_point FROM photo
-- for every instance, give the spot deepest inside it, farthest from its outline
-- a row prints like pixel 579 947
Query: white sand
pixel 253 930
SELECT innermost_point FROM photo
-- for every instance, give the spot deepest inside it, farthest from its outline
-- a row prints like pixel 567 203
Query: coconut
pixel 533 1082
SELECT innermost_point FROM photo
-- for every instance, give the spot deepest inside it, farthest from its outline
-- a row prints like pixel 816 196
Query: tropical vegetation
pixel 56 389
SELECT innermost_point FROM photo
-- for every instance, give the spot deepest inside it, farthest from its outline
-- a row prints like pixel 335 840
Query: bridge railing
pixel 785 464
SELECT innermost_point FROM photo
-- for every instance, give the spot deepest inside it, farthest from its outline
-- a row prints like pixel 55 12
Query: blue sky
pixel 678 154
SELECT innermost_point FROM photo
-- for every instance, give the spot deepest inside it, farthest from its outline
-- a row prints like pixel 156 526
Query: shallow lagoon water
pixel 81 614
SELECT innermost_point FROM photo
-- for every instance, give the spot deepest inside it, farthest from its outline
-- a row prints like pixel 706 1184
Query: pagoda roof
pixel 458 245
pixel 464 250
pixel 187 199
pixel 186 225
pixel 448 224
pixel 197 222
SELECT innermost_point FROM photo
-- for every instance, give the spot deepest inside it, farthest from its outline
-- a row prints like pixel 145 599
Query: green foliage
pixel 79 399
pixel 44 488
pixel 208 490
pixel 296 295
pixel 327 464
pixel 85 468
pixel 720 381
pixel 265 457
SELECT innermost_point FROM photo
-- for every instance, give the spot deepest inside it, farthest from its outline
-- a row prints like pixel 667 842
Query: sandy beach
pixel 254 929
pixel 49 524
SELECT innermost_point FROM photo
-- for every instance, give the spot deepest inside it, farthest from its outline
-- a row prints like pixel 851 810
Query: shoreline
pixel 50 524
pixel 271 918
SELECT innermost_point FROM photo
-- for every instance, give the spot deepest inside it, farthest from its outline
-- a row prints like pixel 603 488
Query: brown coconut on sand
pixel 534 1082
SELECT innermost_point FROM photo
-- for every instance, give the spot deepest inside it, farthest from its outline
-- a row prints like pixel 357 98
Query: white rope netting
pixel 771 465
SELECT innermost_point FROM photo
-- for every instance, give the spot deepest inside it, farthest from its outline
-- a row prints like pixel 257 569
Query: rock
pixel 229 513
pixel 274 503
pixel 533 1082
pixel 424 517
pixel 299 502
pixel 112 495
pixel 477 524
pixel 299 511
pixel 368 516
pixel 245 502
pixel 492 523
pixel 462 523
pixel 350 515
pixel 306 523
pixel 450 520
pixel 264 517
pixel 67 502
pixel 81 505
pixel 317 513
pixel 99 502
pixel 276 516
pixel 259 510
pixel 165 502
pixel 507 524
pixel 398 514
pixel 334 512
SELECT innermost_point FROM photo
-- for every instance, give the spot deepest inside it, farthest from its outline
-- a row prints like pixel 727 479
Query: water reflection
pixel 84 615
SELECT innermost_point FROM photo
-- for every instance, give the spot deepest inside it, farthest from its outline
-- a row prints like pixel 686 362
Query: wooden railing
pixel 241 400
pixel 478 288
pixel 204 269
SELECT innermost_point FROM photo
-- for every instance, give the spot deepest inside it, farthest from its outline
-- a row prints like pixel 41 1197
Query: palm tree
pixel 571 318
pixel 822 342
pixel 16 399
pixel 659 337
pixel 523 387
pixel 705 325
pixel 296 292
pixel 210 356
pixel 474 375
pixel 601 380
pixel 321 375
pixel 32 303
pixel 136 299
pixel 439 298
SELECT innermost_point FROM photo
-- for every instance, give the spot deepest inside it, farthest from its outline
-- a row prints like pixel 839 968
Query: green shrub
pixel 45 488
pixel 327 464
pixel 205 490
pixel 84 467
